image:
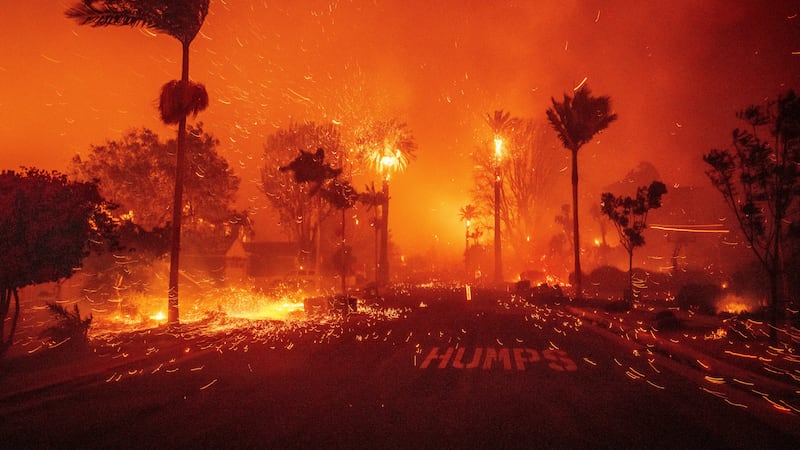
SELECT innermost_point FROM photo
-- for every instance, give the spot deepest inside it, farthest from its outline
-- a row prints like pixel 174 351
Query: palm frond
pixel 113 13
pixel 179 99
pixel 180 19
pixel 577 119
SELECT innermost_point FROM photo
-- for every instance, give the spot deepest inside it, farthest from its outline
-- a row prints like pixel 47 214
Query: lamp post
pixel 498 259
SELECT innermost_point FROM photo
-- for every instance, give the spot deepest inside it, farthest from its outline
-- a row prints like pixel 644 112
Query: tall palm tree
pixel 374 198
pixel 181 19
pixel 500 123
pixel 387 146
pixel 577 120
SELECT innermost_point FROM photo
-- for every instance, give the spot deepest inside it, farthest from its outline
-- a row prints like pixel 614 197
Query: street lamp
pixel 498 260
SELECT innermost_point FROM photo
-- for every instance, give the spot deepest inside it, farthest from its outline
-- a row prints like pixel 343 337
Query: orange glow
pixel 64 87
pixel 734 304
pixel 237 304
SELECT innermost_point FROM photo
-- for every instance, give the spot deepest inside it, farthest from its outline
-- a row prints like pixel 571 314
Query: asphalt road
pixel 449 374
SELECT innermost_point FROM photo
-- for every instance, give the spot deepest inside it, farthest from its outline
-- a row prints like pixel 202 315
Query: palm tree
pixel 387 146
pixel 500 123
pixel 374 198
pixel 467 214
pixel 181 19
pixel 577 120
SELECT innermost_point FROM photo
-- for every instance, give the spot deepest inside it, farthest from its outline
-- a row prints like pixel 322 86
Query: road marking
pixel 487 358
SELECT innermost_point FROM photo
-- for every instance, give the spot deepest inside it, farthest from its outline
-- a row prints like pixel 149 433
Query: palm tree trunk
pixel 177 204
pixel 575 233
pixel 384 262
pixel 377 252
pixel 498 257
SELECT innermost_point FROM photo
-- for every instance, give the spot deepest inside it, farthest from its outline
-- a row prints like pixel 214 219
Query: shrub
pixel 606 281
pixel 70 326
pixel 667 320
pixel 701 298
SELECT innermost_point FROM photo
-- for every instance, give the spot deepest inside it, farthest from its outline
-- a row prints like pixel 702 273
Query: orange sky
pixel 676 72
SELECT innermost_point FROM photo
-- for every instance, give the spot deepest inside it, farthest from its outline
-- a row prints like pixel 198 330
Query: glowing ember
pixel 281 310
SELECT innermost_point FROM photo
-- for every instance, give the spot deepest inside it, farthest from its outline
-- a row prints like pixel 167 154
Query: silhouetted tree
pixel 48 225
pixel 576 120
pixel 311 168
pixel 300 212
pixel 629 216
pixel 467 214
pixel 373 199
pixel 181 19
pixel 759 177
pixel 341 195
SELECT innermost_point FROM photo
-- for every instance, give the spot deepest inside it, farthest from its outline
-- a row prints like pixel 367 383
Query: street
pixel 432 371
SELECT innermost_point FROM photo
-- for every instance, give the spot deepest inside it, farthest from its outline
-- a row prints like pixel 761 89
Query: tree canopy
pixel 299 217
pixel 578 118
pixel 48 225
pixel 629 215
pixel 137 172
pixel 759 178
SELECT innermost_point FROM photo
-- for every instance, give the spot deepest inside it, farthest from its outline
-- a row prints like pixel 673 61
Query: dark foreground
pixel 433 372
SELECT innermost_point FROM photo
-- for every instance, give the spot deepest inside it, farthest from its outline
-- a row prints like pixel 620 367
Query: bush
pixel 667 320
pixel 606 281
pixel 70 326
pixel 700 298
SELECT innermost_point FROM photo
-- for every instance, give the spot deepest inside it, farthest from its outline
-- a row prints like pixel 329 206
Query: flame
pixel 387 161
pixel 734 304
pixel 138 312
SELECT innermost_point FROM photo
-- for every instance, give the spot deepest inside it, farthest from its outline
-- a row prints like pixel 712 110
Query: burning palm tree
pixel 181 19
pixel 387 146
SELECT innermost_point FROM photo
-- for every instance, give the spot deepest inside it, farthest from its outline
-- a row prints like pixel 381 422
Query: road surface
pixel 433 372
